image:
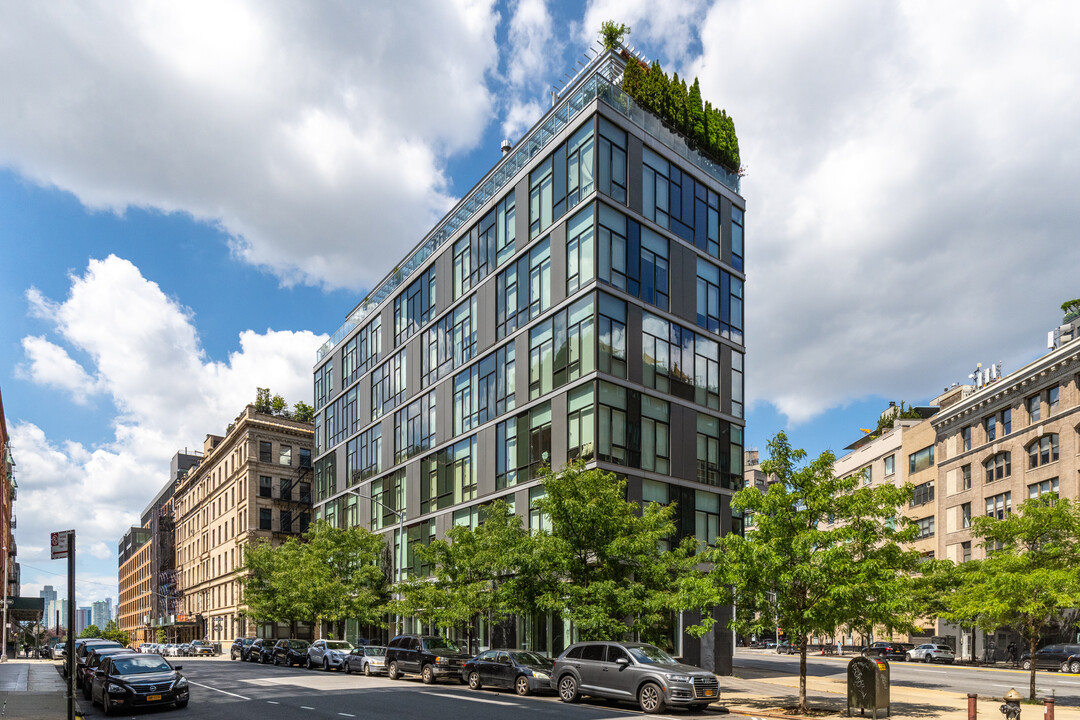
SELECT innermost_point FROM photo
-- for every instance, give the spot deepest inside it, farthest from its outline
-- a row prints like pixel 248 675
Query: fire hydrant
pixel 1011 708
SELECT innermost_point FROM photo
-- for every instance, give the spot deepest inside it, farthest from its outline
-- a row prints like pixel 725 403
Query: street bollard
pixel 973 710
pixel 1048 708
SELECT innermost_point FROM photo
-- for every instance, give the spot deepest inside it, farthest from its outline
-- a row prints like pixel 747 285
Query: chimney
pixel 505 147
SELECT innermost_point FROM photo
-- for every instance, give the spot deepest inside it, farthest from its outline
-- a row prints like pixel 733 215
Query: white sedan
pixel 931 653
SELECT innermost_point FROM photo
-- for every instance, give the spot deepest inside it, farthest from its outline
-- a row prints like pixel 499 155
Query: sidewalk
pixel 769 697
pixel 32 690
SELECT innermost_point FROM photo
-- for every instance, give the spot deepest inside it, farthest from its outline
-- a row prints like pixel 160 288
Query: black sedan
pixel 84 674
pixel 887 650
pixel 131 681
pixel 260 651
pixel 290 652
pixel 524 671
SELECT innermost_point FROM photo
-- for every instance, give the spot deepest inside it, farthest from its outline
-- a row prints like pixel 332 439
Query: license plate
pixel 152 698
pixel 707 693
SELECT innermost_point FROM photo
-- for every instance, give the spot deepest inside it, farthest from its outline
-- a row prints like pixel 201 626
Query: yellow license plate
pixel 151 698
pixel 707 693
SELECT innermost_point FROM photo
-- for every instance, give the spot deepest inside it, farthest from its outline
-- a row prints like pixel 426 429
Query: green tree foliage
pixel 1071 308
pixel 302 412
pixel 612 33
pixel 823 553
pixel 262 400
pixel 1029 574
pixel 331 576
pixel 273 404
pixel 90 631
pixel 711 129
pixel 604 565
pixel 113 632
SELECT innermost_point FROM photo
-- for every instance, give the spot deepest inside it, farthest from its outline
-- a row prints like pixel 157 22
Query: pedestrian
pixel 26 650
pixel 840 647
pixel 1010 651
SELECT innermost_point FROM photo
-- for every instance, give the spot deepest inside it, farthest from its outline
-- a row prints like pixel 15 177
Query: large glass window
pixel 562 348
pixel 580 423
pixel 538 521
pixel 731 307
pixel 708 296
pixel 541 198
pixel 388 495
pixel 706 517
pixel 708 449
pixel 655 434
pixel 579 251
pixel 737 384
pixel 420 534
pixel 681 362
pixel 580 151
pixel 736 238
pixel 611 319
pixel 324 384
pixel 341 418
pixel 1034 408
pixel 999 506
pixel 614 441
pixel 414 427
pixel 415 306
pixel 923 494
pixel 388 385
pixel 561 181
pixel 363 456
pixel 612 171
pixel 655 192
pixel 486 246
pixel 325 468
pixel 523 290
pixel 1043 451
pixel 1041 488
pixel 965 438
pixel 999 466
pixel 522 446
pixel 448 477
pixel 361 351
pixel 654 268
pixel 485 390
pixel 921 459
pixel 450 342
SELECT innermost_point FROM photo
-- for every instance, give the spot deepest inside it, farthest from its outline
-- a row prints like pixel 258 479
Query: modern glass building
pixel 584 300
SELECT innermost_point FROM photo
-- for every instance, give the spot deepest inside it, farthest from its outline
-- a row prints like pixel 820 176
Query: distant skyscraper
pixel 101 613
pixel 83 616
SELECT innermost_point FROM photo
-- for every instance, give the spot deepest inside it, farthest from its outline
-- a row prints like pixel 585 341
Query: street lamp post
pixel 398 563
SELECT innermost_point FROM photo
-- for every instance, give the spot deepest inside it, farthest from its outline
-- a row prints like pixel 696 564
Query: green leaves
pixel 611 33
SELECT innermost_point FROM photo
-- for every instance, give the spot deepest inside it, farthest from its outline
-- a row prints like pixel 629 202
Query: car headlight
pixel 679 678
pixel 442 661
pixel 114 688
pixel 181 683
pixel 541 675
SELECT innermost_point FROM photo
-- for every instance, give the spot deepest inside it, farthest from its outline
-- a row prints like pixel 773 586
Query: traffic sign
pixel 60 544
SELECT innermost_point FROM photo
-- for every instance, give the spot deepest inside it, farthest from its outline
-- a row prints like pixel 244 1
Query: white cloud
pixel 670 26
pixel 49 364
pixel 312 134
pixel 146 354
pixel 910 197
pixel 529 72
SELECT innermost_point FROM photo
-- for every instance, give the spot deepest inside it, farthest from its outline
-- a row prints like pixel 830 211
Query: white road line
pixel 305 707
pixel 273 702
pixel 470 699
pixel 346 715
pixel 225 692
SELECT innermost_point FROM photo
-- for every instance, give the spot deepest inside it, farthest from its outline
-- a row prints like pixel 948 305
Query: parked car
pixel 431 656
pixel 290 652
pixel 931 652
pixel 1059 656
pixel 84 674
pixel 261 651
pixel 788 648
pixel 135 680
pixel 633 672
pixel 200 648
pixel 887 650
pixel 328 654
pixel 240 648
pixel 83 649
pixel 524 671
pixel 144 647
pixel 368 659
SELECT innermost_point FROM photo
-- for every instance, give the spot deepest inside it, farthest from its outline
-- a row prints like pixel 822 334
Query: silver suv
pixel 637 672
pixel 328 654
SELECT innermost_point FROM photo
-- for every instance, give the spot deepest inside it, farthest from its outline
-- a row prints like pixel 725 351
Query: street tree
pixel 113 632
pixel 90 631
pixel 605 564
pixel 1028 577
pixel 823 552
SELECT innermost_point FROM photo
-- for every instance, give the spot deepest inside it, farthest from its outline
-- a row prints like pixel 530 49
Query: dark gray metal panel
pixel 725 379
pixel 413 366
pixel 558 431
pixel 558 262
pixel 485 465
pixel 485 316
pixel 444 411
pixel 363 400
pixel 340 481
pixel 683 442
pixel 387 330
pixel 634 492
pixel 412 489
pixel 634 156
pixel 634 362
pixel 444 279
pixel 682 282
pixel 386 450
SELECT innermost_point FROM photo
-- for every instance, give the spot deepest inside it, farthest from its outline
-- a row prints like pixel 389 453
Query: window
pixel 538 521
pixel 999 506
pixel 265 518
pixel 965 437
pixel 965 477
pixel 1043 451
pixel 561 181
pixel 523 290
pixel 448 477
pixel 324 384
pixel 363 455
pixel 541 198
pixel 414 427
pixel 579 251
pixel 655 434
pixel 998 424
pixel 612 170
pixel 926 528
pixel 614 250
pixel 654 269
pixel 921 459
pixel 999 466
pixel 612 334
pixel 580 423
pixel 522 446
pixel 265 486
pixel 361 352
pixel 387 495
pixel 485 390
pixel 708 449
pixel 450 342
pixel 562 349
pixel 965 551
pixel 339 419
pixel 325 477
pixel 867 474
pixel 736 237
pixel 708 296
pixel 1052 400
pixel 467 517
pixel 414 307
pixel 487 245
pixel 388 385
pixel 731 307
pixel 305 457
pixel 266 450
pixel 706 517
pixel 1034 408
pixel 965 515
pixel 736 384
pixel 924 493
pixel 579 165
pixel 419 534
pixel 655 187
pixel 285 520
pixel 539 438
pixel 612 417
pixel 890 465
pixel 1041 488
pixel 680 362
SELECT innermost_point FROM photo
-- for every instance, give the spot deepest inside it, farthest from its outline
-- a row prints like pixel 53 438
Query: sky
pixel 194 195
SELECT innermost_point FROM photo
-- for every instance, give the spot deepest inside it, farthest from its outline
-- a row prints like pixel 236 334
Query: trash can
pixel 868 686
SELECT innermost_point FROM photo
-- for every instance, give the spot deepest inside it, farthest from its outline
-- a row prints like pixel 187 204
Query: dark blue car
pixel 523 670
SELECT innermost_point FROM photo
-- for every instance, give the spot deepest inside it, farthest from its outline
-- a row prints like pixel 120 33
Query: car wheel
pixel 427 674
pixel 391 671
pixel 568 691
pixel 367 669
pixel 927 658
pixel 1026 664
pixel 474 680
pixel 1064 667
pixel 1074 667
pixel 651 698
pixel 105 705
pixel 325 665
pixel 276 661
pixel 309 663
pixel 521 686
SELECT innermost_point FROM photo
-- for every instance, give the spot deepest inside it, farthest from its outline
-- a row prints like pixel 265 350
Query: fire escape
pixel 294 500
pixel 169 591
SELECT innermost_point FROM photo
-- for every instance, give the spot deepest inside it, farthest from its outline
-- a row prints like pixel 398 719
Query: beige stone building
pixel 135 606
pixel 253 483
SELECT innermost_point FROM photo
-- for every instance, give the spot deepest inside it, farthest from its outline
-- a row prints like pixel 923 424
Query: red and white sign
pixel 60 544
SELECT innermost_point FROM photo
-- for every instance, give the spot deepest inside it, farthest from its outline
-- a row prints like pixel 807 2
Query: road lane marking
pixel 225 692
pixel 470 699
pixel 305 707
pixel 273 702
pixel 346 715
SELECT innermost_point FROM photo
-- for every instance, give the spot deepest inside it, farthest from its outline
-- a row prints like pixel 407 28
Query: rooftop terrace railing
pixel 597 80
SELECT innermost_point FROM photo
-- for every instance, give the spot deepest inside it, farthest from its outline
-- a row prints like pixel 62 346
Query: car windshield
pixel 248 641
pixel 139 665
pixel 373 650
pixel 438 643
pixel 298 644
pixel 650 654
pixel 338 645
pixel 530 658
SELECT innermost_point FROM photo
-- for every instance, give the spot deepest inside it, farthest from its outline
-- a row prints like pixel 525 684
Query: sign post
pixel 63 546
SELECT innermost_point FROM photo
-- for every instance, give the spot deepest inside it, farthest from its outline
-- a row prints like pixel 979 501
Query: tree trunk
pixel 1032 642
pixel 802 676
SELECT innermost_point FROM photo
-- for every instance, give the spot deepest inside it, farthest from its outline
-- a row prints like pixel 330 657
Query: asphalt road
pixel 950 678
pixel 237 690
